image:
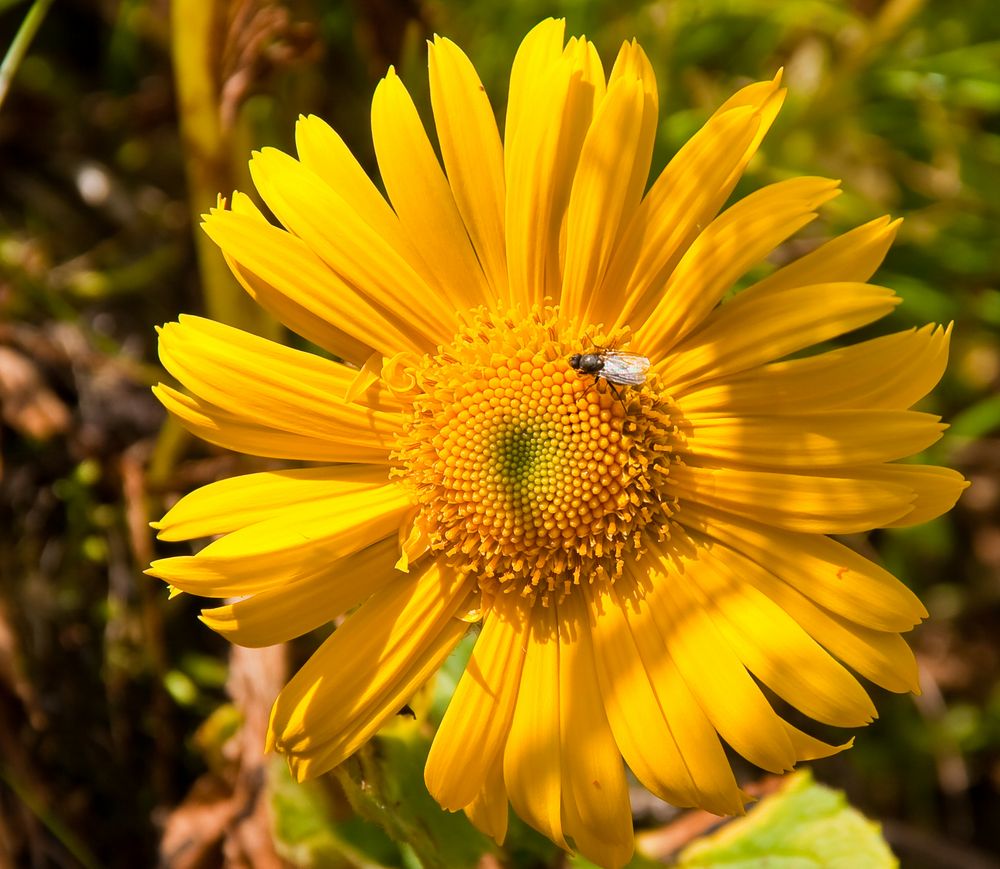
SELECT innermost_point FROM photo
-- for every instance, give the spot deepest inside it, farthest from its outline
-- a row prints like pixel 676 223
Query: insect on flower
pixel 617 367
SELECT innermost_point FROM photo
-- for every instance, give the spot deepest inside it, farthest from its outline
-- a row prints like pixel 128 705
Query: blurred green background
pixel 120 736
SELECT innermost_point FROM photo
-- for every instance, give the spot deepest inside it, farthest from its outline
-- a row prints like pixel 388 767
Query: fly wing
pixel 628 369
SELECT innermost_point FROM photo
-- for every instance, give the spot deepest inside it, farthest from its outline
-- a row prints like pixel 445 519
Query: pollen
pixel 529 474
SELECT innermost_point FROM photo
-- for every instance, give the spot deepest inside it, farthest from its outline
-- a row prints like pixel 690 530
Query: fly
pixel 617 367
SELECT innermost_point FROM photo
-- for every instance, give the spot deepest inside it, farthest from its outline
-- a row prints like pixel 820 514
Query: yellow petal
pixel 367 670
pixel 281 614
pixel 936 489
pixel 353 249
pixel 679 204
pixel 542 158
pixel 335 341
pixel 263 380
pixel 366 378
pixel 822 569
pixel 933 490
pixel 283 274
pixel 766 97
pixel 683 200
pixel 588 88
pixel 815 440
pixel 716 676
pixel 736 240
pixel 280 299
pixel 598 197
pixel 237 432
pixel 853 256
pixel 539 50
pixel 810 748
pixel 475 726
pixel 488 811
pixel 295 544
pixel 818 505
pixel 414 541
pixel 422 198
pixel 321 150
pixel 891 372
pixel 880 656
pixel 634 713
pixel 230 504
pixel 532 760
pixel 775 648
pixel 631 64
pixel 690 727
pixel 745 332
pixel 596 808
pixel 473 156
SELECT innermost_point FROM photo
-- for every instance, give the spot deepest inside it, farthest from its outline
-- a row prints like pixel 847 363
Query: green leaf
pixel 307 832
pixel 979 420
pixel 804 826
pixel 384 783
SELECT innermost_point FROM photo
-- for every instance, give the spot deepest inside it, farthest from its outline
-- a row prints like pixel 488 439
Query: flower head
pixel 641 531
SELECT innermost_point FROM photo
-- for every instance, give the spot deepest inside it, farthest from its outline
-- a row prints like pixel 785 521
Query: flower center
pixel 527 472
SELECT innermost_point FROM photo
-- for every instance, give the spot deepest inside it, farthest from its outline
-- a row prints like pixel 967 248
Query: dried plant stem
pixel 197 28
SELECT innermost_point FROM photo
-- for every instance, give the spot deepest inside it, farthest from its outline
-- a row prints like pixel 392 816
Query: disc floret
pixel 528 473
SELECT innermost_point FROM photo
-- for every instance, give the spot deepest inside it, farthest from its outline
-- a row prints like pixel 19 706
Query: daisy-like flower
pixel 643 556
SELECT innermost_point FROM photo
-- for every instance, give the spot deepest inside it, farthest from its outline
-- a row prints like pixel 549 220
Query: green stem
pixel 19 47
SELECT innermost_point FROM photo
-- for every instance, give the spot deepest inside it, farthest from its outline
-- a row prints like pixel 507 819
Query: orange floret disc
pixel 538 474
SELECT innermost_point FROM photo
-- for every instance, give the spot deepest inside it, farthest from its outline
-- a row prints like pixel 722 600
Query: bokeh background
pixel 131 734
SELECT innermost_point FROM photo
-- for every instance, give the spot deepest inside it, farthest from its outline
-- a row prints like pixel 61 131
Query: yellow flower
pixel 640 554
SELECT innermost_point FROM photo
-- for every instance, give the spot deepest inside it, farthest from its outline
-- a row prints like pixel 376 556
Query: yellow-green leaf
pixel 804 826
